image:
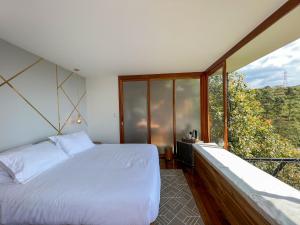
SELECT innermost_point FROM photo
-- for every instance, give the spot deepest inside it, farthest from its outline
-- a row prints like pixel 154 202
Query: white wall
pixel 103 108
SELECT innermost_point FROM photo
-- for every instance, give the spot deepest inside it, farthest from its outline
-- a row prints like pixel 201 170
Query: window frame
pixel 221 66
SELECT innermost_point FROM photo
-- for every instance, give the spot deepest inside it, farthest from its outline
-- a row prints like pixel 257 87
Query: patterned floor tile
pixel 177 205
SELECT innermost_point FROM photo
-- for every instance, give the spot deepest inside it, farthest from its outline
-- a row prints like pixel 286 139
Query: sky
pixel 269 70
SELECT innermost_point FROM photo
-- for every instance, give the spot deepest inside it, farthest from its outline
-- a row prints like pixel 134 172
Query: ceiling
pixel 281 33
pixel 112 37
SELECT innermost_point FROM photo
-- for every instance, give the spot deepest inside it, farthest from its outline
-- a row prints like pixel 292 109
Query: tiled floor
pixel 177 206
pixel 206 204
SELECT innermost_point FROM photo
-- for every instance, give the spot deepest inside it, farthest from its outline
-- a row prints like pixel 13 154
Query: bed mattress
pixel 110 184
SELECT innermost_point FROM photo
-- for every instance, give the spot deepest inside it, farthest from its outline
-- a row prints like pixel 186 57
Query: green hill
pixel 282 108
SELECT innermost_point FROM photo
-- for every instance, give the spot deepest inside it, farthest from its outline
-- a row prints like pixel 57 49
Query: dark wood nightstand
pixel 97 142
pixel 185 153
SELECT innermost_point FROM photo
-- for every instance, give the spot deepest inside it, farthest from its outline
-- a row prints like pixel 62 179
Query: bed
pixel 111 184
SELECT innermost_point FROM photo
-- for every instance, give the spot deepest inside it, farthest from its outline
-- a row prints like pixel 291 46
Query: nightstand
pixel 97 142
pixel 185 153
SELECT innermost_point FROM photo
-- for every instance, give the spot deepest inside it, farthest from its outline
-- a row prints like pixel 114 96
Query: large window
pixel 265 112
pixel 216 107
pixel 264 100
pixel 275 82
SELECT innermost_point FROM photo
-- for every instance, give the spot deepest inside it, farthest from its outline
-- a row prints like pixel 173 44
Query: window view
pixel 264 104
pixel 216 110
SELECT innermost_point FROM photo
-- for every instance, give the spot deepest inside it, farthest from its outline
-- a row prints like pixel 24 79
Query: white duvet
pixel 107 185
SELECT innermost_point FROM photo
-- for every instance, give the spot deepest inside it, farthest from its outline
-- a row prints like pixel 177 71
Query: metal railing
pixel 285 169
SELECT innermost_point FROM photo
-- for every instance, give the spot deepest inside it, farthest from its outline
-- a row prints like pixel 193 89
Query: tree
pixel 282 107
pixel 251 131
pixel 216 112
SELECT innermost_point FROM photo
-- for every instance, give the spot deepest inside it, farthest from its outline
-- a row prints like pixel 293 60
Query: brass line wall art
pixel 57 99
pixel 67 78
pixel 65 123
pixel 7 81
pixel 31 105
pixel 74 105
pixel 20 72
pixel 60 127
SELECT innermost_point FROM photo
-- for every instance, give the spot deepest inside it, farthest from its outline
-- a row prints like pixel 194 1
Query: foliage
pixel 216 112
pixel 282 107
pixel 262 122
pixel 251 131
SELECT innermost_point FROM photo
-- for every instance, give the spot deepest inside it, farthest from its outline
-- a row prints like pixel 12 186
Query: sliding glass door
pixel 159 111
pixel 135 112
pixel 161 108
pixel 187 101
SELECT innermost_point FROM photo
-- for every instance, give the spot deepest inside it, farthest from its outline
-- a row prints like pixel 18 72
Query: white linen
pixel 25 164
pixel 73 143
pixel 108 185
pixel 4 176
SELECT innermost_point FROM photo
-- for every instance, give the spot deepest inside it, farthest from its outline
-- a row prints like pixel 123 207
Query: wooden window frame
pixel 225 102
pixel 272 19
pixel 221 62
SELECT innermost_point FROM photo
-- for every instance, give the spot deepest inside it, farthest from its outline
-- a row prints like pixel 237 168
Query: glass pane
pixel 264 99
pixel 216 108
pixel 135 112
pixel 187 93
pixel 161 113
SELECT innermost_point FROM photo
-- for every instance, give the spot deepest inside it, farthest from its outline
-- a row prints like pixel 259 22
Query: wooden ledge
pixel 242 197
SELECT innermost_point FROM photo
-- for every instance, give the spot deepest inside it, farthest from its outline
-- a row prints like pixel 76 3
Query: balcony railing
pixel 285 169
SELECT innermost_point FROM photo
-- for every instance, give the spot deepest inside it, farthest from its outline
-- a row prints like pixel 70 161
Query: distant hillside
pixel 280 86
pixel 282 108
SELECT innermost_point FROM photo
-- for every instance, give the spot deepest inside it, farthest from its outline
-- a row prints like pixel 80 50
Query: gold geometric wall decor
pixel 42 94
pixel 24 69
pixel 76 92
pixel 73 104
pixel 19 123
pixel 13 60
pixel 65 107
pixel 57 99
pixel 74 86
pixel 82 107
pixel 8 82
pixel 1 82
pixel 32 85
pixel 74 110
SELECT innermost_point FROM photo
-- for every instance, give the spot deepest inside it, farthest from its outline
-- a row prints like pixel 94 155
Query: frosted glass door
pixel 187 106
pixel 135 111
pixel 161 108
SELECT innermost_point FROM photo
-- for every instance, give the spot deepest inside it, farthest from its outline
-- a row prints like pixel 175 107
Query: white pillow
pixel 73 143
pixel 5 178
pixel 25 164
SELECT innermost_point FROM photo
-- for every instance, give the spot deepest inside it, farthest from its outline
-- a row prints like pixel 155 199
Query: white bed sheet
pixel 108 185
